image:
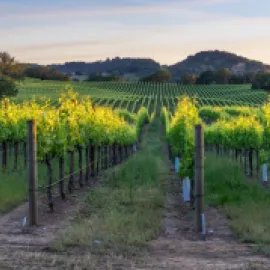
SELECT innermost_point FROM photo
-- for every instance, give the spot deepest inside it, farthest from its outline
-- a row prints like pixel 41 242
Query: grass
pixel 125 212
pixel 244 202
pixel 14 184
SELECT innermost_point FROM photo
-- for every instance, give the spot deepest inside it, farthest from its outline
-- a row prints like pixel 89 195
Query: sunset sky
pixel 168 31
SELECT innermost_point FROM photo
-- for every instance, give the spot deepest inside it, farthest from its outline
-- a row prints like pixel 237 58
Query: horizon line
pixel 145 58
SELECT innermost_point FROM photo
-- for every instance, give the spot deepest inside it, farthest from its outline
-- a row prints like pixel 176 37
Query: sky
pixel 50 31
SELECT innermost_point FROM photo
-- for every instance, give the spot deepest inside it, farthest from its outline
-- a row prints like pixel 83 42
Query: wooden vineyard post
pixel 5 145
pixel 114 158
pixel 87 162
pixel 4 155
pixel 80 165
pixel 120 153
pixel 61 178
pixel 98 160
pixel 33 173
pixel 111 155
pixel 199 177
pixel 257 163
pixel 50 178
pixel 102 158
pixel 106 156
pixel 16 155
pixel 245 165
pixel 25 154
pixel 127 151
pixel 71 171
pixel 92 160
pixel 240 159
pixel 107 160
pixel 250 161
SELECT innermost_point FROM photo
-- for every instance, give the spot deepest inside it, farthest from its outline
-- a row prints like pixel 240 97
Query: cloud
pixel 165 53
pixel 74 45
pixel 164 48
pixel 29 14
pixel 165 30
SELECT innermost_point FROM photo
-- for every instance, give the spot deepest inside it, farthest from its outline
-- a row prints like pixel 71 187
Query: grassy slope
pixel 246 204
pixel 126 211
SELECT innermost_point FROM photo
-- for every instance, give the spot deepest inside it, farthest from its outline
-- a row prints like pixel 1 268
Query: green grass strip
pixel 245 203
pixel 126 211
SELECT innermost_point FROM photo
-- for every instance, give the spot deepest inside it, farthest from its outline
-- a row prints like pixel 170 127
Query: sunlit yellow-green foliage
pixel 181 133
pixel 142 119
pixel 182 124
pixel 242 128
pixel 235 127
pixel 237 111
pixel 265 118
pixel 211 114
pixel 74 123
pixel 166 119
pixel 243 132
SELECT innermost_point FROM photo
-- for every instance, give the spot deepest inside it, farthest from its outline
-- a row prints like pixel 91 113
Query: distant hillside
pixel 214 60
pixel 132 67
pixel 136 68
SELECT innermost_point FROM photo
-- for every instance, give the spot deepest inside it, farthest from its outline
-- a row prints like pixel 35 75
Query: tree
pixel 207 77
pixel 45 73
pixel 237 79
pixel 189 79
pixel 9 67
pixel 223 76
pixel 160 76
pixel 261 81
pixel 256 85
pixel 7 87
pixel 249 77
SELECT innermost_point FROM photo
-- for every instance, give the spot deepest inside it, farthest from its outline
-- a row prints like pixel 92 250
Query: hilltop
pixel 215 60
pixel 130 67
pixel 138 68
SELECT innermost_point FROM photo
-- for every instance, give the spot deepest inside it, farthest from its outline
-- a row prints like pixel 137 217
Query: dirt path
pixel 177 247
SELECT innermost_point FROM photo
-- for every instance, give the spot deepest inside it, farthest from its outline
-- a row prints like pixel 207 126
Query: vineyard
pixel 97 126
pixel 132 96
pixel 77 139
pixel 112 142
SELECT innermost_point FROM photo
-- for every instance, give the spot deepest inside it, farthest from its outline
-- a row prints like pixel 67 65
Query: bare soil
pixel 13 234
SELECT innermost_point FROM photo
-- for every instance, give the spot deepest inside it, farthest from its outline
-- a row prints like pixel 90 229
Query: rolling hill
pixel 214 60
pixel 135 68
